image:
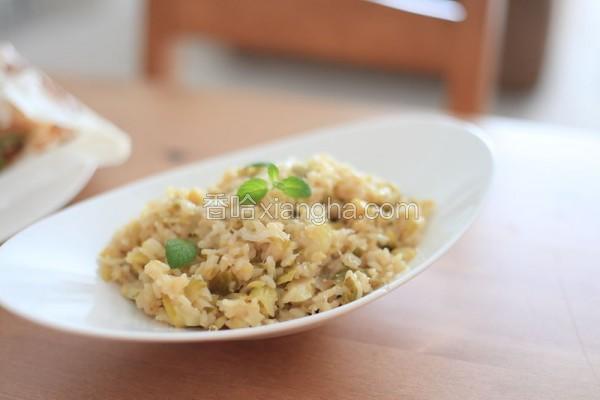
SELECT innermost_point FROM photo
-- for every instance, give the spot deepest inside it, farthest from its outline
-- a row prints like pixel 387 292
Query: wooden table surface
pixel 512 311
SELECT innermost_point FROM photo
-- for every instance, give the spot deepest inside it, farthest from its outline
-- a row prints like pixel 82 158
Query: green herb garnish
pixel 293 187
pixel 253 190
pixel 259 164
pixel 273 172
pixel 180 252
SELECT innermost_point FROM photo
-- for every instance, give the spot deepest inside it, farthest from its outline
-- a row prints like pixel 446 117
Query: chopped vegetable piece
pixel 352 287
pixel 194 289
pixel 174 315
pixel 221 284
pixel 180 253
pixel 267 298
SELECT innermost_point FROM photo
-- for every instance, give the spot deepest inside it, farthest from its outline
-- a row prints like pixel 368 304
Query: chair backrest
pixel 359 32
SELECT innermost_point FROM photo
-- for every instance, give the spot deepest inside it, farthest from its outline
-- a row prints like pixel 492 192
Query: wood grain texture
pixel 511 312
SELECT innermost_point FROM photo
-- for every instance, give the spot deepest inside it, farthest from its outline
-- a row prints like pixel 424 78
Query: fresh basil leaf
pixel 273 172
pixel 252 191
pixel 180 252
pixel 272 169
pixel 294 187
pixel 259 164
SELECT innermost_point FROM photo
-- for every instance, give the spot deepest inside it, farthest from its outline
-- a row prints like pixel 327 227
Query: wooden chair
pixel 463 53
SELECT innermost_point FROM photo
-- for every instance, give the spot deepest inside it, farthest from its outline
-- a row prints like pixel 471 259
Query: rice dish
pixel 319 235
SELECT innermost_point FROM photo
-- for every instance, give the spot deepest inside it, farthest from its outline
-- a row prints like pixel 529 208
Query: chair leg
pixel 473 59
pixel 160 39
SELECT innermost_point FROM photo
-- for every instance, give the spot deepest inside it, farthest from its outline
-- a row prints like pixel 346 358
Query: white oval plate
pixel 49 271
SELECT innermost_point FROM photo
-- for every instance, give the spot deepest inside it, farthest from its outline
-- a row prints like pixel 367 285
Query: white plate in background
pixel 49 271
pixel 38 184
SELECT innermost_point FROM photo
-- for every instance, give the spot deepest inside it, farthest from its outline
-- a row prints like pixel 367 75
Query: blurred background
pixel 534 59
